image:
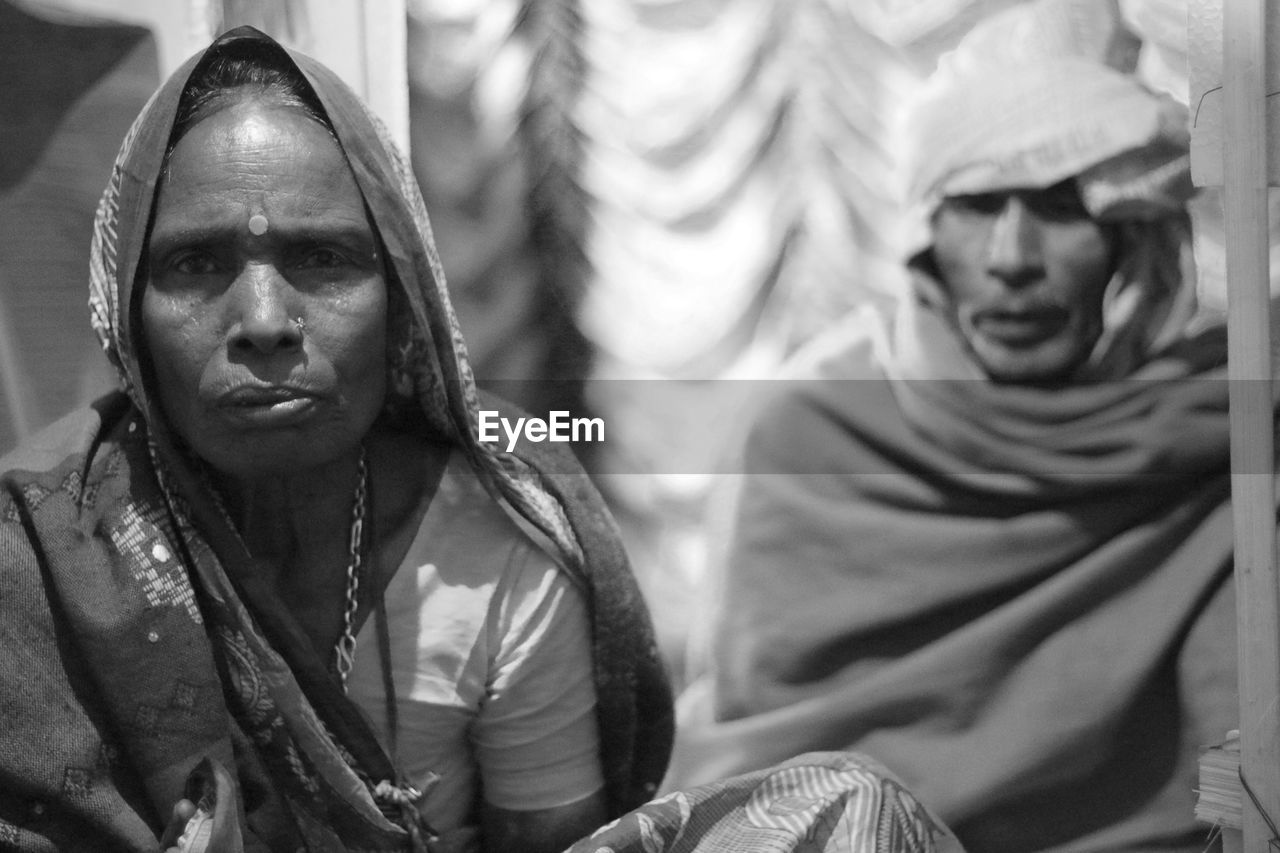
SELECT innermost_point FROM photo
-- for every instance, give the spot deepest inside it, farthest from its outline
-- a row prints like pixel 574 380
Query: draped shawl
pixel 1018 598
pixel 137 637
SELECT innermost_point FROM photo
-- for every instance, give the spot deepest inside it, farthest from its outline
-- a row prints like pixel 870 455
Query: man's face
pixel 1025 271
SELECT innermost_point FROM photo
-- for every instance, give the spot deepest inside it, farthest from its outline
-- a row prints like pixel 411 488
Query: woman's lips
pixel 1021 327
pixel 267 406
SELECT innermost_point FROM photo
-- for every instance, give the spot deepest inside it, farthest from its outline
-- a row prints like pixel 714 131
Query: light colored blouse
pixel 491 658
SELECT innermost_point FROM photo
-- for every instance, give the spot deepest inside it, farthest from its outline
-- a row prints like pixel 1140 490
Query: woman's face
pixel 265 306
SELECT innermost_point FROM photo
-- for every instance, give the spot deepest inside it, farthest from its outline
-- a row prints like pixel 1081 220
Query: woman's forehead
pixel 259 155
pixel 250 126
pixel 250 123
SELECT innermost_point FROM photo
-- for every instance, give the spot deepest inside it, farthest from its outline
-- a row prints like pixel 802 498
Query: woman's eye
pixel 322 259
pixel 194 263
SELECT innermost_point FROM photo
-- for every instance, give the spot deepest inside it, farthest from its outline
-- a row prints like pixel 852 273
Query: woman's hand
pixel 183 811
pixel 207 818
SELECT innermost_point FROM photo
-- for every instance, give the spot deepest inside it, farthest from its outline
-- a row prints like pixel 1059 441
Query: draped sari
pixel 139 636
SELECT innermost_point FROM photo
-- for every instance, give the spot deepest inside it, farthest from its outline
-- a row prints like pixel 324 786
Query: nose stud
pixel 258 225
pixel 301 324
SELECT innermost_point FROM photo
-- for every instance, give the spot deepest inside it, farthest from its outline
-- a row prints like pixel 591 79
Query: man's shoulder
pixel 855 347
pixel 834 391
pixel 838 368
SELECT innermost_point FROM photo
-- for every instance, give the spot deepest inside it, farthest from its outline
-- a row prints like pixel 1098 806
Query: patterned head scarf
pixel 430 382
pixel 1041 93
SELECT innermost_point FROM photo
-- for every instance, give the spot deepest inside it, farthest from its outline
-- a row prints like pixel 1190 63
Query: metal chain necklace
pixel 344 651
pixel 390 796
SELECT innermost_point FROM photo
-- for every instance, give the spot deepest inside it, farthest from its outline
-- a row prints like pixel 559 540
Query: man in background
pixel 999 559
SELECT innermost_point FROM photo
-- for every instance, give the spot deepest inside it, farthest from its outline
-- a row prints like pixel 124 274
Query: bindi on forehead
pixel 260 171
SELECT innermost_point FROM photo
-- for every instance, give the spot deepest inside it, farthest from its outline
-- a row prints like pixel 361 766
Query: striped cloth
pixel 828 802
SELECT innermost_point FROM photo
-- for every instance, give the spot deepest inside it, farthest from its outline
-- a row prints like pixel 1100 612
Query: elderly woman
pixel 281 556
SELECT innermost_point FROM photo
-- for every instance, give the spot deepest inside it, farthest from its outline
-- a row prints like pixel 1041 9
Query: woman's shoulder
pixel 72 438
pixel 471 539
pixel 474 584
pixel 81 465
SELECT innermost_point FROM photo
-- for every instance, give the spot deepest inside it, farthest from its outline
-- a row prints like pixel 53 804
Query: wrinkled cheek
pixel 374 381
pixel 170 331
pixel 179 392
pixel 366 377
pixel 178 369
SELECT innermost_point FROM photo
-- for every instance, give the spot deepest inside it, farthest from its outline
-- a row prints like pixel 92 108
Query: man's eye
pixel 984 203
pixel 1059 207
pixel 1060 202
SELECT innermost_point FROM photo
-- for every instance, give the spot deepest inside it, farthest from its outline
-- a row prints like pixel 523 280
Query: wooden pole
pixel 1249 347
pixel 13 397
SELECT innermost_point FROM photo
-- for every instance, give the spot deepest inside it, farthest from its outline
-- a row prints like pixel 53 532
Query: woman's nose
pixel 1014 249
pixel 262 316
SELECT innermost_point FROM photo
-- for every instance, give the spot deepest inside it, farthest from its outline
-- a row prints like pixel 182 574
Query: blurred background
pixel 633 199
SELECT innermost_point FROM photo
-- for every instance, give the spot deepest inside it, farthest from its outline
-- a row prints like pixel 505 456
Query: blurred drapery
pixel 739 173
pixel 1163 65
pixel 489 85
pixel 74 85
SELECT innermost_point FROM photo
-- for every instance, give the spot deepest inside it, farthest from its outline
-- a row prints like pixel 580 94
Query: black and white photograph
pixel 639 426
